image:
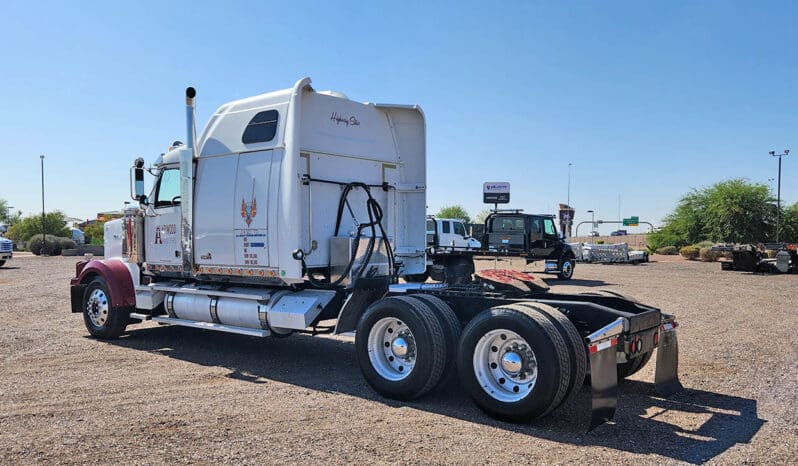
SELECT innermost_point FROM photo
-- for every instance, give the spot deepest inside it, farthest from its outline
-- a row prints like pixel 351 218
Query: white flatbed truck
pixel 296 207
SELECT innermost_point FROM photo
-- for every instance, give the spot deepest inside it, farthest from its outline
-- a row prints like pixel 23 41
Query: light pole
pixel 592 220
pixel 778 196
pixel 44 238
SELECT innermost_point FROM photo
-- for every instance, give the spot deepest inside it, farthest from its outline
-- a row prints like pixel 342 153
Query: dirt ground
pixel 177 395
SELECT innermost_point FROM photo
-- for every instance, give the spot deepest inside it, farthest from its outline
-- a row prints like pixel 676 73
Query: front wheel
pixel 566 268
pixel 101 318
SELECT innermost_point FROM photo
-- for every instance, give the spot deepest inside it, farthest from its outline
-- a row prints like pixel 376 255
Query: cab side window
pixel 446 227
pixel 168 190
pixel 548 226
pixel 459 229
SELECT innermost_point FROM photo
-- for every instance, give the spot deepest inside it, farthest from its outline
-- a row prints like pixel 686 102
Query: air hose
pixel 375 213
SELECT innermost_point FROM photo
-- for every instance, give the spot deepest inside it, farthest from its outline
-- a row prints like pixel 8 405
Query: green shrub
pixel 668 251
pixel 690 252
pixel 708 255
pixel 53 245
pixel 705 244
pixel 601 241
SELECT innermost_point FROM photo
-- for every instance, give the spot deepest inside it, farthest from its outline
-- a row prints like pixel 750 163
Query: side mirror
pixel 137 181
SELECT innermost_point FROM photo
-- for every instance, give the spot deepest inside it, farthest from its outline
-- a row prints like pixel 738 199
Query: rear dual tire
pixel 400 347
pixel 520 362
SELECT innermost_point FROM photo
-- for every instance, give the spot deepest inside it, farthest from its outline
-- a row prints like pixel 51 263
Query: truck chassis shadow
pixel 642 418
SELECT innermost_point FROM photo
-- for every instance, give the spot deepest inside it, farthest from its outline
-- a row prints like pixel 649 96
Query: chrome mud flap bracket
pixel 666 375
pixel 602 347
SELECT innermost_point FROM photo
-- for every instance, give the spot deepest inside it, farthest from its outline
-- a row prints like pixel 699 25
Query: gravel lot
pixel 177 395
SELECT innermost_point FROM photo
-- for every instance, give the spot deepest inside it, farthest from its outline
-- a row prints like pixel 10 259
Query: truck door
pixel 543 236
pixel 162 230
pixel 459 235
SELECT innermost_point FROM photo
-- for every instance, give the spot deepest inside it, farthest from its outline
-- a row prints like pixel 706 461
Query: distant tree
pixel 733 211
pixel 95 233
pixel 482 215
pixel 54 224
pixel 789 224
pixel 454 211
pixel 6 215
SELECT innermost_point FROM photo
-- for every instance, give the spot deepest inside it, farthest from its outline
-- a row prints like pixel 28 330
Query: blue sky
pixel 646 99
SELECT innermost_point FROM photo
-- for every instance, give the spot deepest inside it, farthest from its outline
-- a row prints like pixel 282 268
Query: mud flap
pixel 666 376
pixel 603 381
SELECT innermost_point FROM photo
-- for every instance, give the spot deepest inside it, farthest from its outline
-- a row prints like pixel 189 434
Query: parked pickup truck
pixel 533 236
pixel 450 252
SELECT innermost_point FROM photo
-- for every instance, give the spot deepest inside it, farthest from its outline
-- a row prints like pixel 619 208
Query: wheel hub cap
pixel 399 347
pixel 97 308
pixel 392 349
pixel 512 362
pixel 505 365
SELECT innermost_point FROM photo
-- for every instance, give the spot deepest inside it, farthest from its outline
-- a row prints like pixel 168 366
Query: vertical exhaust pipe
pixel 187 156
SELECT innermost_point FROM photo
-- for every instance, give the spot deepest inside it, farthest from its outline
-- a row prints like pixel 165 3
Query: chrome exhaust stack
pixel 187 157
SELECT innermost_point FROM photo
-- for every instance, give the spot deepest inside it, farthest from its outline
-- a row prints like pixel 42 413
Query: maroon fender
pixel 116 276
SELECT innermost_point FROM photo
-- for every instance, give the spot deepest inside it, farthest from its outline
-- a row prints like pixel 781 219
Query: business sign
pixel 496 192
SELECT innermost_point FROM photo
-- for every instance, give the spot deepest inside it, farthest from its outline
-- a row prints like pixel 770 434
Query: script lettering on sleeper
pixel 342 120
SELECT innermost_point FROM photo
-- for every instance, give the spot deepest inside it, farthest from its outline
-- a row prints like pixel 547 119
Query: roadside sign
pixel 497 192
pixel 631 221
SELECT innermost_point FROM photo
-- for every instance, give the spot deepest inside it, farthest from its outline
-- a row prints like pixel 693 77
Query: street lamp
pixel 592 220
pixel 44 238
pixel 778 196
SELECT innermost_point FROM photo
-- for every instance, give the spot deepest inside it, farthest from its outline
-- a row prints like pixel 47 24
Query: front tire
pixel 102 320
pixel 400 348
pixel 566 268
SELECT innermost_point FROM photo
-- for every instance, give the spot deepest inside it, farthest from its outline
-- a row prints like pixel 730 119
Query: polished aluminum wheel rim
pixel 392 349
pixel 566 268
pixel 97 307
pixel 505 365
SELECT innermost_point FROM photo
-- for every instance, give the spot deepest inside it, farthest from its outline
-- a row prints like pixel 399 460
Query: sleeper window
pixel 261 128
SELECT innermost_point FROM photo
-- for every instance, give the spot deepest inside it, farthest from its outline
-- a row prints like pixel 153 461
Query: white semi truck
pixel 297 207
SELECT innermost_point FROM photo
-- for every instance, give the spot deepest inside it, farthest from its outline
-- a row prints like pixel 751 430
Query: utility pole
pixel 44 238
pixel 778 196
